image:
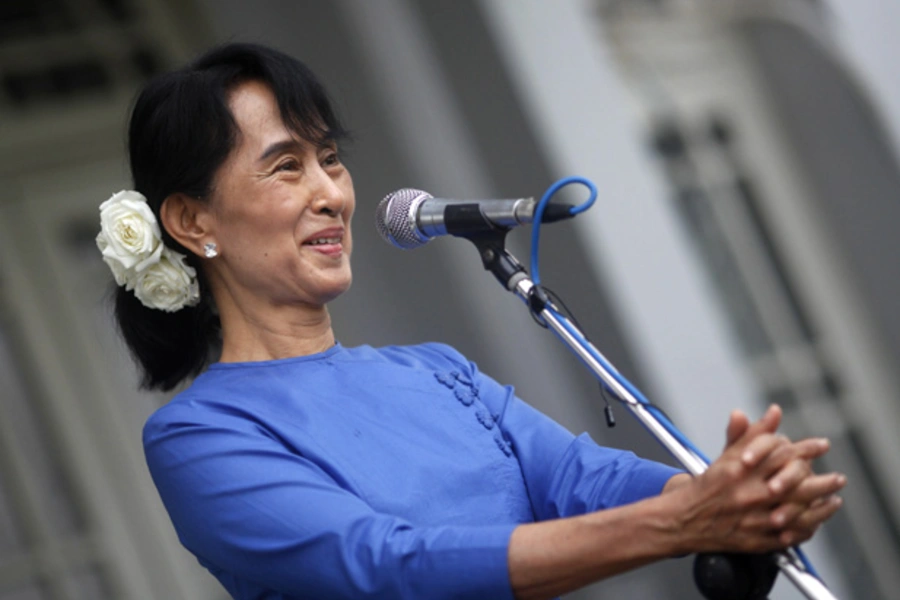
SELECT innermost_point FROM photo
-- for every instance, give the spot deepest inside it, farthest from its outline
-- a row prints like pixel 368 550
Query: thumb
pixel 738 423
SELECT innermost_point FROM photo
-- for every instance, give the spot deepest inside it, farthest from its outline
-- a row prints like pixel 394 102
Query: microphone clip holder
pixel 490 243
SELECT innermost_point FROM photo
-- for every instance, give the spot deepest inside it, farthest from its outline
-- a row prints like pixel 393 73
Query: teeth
pixel 334 240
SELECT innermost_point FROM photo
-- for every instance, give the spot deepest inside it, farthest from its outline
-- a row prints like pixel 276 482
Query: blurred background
pixel 743 249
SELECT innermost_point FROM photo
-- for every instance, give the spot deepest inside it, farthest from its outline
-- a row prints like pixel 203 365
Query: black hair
pixel 181 132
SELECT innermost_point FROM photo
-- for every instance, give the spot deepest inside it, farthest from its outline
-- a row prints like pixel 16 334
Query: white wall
pixel 868 33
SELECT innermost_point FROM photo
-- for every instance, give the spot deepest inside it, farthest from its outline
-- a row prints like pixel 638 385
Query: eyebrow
pixel 278 147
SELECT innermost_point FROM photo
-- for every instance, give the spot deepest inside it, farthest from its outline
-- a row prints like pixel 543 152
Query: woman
pixel 293 467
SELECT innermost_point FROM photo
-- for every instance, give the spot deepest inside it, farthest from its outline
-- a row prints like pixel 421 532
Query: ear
pixel 187 220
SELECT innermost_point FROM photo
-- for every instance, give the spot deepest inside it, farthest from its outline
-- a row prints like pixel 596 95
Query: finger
pixel 808 449
pixel 811 518
pixel 759 448
pixel 817 486
pixel 783 453
pixel 784 516
pixel 762 520
pixel 767 425
pixel 812 448
pixel 738 423
pixel 795 536
pixel 789 477
pixel 800 533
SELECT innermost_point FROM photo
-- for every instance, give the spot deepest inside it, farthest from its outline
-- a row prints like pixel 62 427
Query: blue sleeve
pixel 565 475
pixel 248 507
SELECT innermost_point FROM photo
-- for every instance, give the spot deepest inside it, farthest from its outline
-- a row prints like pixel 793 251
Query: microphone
pixel 410 218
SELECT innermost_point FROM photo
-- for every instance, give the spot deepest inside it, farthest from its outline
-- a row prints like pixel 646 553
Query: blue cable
pixel 542 206
pixel 632 389
pixel 535 277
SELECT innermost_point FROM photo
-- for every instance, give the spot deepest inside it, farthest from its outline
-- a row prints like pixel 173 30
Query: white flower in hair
pixel 129 233
pixel 169 284
pixel 120 273
pixel 132 247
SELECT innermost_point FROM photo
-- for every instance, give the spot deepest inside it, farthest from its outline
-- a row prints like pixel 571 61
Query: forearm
pixel 554 557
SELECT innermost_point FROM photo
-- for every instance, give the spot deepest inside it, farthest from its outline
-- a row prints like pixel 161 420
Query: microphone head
pixel 395 218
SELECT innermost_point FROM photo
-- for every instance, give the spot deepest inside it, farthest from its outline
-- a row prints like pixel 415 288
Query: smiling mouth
pixel 323 241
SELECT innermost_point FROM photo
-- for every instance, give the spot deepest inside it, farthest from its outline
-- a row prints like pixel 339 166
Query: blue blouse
pixel 395 472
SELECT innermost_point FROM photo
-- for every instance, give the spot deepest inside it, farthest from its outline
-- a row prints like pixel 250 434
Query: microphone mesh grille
pixel 395 218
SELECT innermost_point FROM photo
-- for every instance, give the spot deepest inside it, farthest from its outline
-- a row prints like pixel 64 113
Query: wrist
pixel 672 510
pixel 676 481
pixel 653 529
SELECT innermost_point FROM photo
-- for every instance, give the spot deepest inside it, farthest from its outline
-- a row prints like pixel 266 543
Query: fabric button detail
pixel 464 395
pixel 485 418
pixel 446 379
pixel 467 393
pixel 502 443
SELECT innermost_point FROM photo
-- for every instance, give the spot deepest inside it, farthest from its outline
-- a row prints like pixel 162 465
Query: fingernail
pixel 841 479
pixel 775 485
pixel 837 500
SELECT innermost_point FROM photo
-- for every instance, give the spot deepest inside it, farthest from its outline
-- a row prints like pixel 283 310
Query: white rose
pixel 129 233
pixel 169 284
pixel 121 274
pixel 125 276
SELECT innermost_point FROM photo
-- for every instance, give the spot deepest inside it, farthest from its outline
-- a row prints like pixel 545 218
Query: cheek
pixel 256 233
pixel 259 243
pixel 348 218
pixel 259 215
pixel 349 195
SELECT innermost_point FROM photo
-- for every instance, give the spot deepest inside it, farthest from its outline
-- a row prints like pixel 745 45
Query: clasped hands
pixel 760 495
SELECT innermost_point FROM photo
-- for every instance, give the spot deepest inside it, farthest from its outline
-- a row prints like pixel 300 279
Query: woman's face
pixel 281 210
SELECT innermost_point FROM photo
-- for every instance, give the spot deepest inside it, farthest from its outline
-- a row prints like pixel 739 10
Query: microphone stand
pixel 490 242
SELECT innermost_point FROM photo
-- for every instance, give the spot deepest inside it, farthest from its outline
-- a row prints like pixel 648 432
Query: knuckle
pixel 768 440
pixel 750 497
pixel 733 470
pixel 802 535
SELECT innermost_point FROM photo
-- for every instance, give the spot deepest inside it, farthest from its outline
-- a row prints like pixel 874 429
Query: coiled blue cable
pixel 632 389
pixel 539 216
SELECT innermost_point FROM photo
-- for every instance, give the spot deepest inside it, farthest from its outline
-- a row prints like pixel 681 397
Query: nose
pixel 328 196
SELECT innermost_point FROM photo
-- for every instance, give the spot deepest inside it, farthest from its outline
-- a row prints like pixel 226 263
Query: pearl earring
pixel 209 250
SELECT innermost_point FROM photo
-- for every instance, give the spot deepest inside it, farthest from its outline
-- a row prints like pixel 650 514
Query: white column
pixel 867 30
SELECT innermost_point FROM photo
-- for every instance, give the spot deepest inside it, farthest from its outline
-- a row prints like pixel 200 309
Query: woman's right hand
pixel 760 495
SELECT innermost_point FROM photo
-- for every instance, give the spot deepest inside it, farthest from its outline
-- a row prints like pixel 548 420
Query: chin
pixel 333 293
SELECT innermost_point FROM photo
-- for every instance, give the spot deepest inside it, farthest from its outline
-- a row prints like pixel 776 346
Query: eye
pixel 288 165
pixel 331 159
